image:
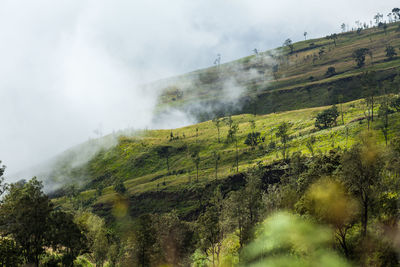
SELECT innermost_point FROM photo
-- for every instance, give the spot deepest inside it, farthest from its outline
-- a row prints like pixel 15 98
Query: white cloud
pixel 67 67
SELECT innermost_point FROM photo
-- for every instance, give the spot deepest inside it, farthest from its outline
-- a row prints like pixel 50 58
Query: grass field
pixel 135 160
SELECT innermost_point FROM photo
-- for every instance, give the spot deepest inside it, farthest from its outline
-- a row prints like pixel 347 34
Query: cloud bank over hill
pixel 71 70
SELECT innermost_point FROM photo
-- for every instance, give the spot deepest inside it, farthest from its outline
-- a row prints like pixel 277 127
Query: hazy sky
pixel 70 67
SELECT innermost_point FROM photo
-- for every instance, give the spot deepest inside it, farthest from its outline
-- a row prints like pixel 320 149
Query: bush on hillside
pixel 330 72
pixel 327 118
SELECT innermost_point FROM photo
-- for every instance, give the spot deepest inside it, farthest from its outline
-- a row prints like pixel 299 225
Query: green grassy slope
pixel 300 90
pixel 150 187
pixel 299 76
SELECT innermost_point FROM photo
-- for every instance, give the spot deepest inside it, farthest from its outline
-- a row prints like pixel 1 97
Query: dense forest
pixel 314 185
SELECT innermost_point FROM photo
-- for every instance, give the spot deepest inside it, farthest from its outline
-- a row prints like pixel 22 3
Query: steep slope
pixel 274 86
pixel 152 187
pixel 271 80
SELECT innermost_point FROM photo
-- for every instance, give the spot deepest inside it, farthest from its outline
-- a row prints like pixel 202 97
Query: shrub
pixel 253 139
pixel 330 72
pixel 327 118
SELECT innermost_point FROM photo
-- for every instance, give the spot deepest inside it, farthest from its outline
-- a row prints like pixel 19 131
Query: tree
pixel 24 216
pixel 210 233
pixel 217 158
pixel 395 103
pixel 305 35
pixel 164 152
pixel 383 113
pixel 243 208
pixel 253 138
pixel 385 26
pixel 390 52
pixel 359 56
pixel 330 72
pixel 361 173
pixel 370 84
pixel 96 236
pixel 217 122
pixel 396 12
pixel 282 133
pixel 330 202
pixel 343 27
pixel 235 215
pixel 288 43
pixel 327 118
pixel 378 17
pixel 145 238
pixel 340 100
pixel 173 239
pixel 66 237
pixel 3 186
pixel 196 160
pixel 333 37
pixel 232 138
pixel 310 144
pixel 10 253
pixel 119 187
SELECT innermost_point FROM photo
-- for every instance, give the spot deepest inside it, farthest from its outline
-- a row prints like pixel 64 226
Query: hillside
pixel 300 82
pixel 293 160
pixel 152 188
pixel 271 80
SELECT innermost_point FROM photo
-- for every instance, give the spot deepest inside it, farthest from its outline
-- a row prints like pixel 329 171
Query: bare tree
pixel 343 27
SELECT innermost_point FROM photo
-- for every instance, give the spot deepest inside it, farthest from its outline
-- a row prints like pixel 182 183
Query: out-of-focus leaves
pixel 285 239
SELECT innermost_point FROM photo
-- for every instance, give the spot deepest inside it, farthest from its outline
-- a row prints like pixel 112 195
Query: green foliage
pixel 359 56
pixel 390 52
pixel 119 187
pixel 330 72
pixel 283 134
pixel 361 173
pixel 253 139
pixel 288 42
pixel 327 118
pixel 243 208
pixel 395 103
pixel 288 240
pixel 210 233
pixel 310 144
pixel 66 237
pixel 95 234
pixel 164 152
pixel 173 238
pixel 217 158
pixel 217 122
pixel 145 238
pixel 196 160
pixel 10 252
pixel 24 216
pixel 27 217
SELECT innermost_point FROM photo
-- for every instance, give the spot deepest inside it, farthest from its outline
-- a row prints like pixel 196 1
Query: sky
pixel 70 69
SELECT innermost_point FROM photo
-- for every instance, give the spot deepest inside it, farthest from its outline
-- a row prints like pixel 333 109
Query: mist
pixel 74 70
